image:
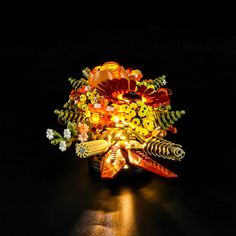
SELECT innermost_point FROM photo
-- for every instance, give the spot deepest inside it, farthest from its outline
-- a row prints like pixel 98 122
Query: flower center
pixel 82 150
pixel 132 97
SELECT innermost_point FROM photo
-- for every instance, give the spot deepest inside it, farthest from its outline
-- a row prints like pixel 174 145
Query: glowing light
pixel 126 167
pixel 144 99
pixel 120 97
pixel 114 217
pixel 111 65
pixel 127 213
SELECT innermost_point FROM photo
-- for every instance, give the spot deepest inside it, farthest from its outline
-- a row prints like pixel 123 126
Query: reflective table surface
pixel 63 196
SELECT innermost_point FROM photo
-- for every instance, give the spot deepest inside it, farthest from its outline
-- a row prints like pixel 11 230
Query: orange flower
pixel 108 70
pixel 83 128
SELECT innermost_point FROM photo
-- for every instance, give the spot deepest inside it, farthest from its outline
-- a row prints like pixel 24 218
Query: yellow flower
pixel 140 103
pixel 125 108
pixel 145 122
pixel 150 116
pixel 138 129
pixel 90 95
pixel 133 106
pixel 148 124
pixel 136 121
pixel 142 113
pixel 92 101
pixel 120 115
pixel 84 107
pixel 141 130
pixel 144 107
pixel 144 132
pixel 82 98
pixel 132 113
pixel 127 118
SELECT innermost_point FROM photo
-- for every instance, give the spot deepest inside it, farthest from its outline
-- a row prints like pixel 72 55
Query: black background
pixel 46 192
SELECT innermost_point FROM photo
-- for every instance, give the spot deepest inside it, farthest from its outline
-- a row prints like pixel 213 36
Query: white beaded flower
pixel 109 108
pixel 62 146
pixel 97 105
pixel 83 137
pixel 67 133
pixel 49 134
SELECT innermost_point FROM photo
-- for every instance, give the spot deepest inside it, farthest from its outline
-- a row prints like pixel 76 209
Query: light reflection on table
pixel 142 205
pixel 117 218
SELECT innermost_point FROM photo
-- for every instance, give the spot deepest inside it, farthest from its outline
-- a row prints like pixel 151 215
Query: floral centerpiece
pixel 118 119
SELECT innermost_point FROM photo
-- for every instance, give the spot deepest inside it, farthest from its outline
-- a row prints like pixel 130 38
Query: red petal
pixel 149 91
pixel 141 89
pixel 132 85
pixel 140 159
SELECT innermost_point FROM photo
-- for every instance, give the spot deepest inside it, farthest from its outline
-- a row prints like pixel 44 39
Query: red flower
pixel 122 91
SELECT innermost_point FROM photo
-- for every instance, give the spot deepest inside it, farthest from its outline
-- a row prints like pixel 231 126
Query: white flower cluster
pixel 62 146
pixel 67 133
pixel 83 137
pixel 164 82
pixel 49 134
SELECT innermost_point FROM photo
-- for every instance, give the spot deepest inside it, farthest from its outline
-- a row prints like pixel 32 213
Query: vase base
pixel 128 170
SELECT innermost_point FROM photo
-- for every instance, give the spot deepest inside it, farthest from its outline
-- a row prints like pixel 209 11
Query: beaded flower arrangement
pixel 118 119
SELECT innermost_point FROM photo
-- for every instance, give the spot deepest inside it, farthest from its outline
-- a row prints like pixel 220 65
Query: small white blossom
pixel 164 82
pixel 87 88
pixel 163 77
pixel 62 146
pixel 83 137
pixel 97 105
pixel 109 108
pixel 49 134
pixel 67 133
